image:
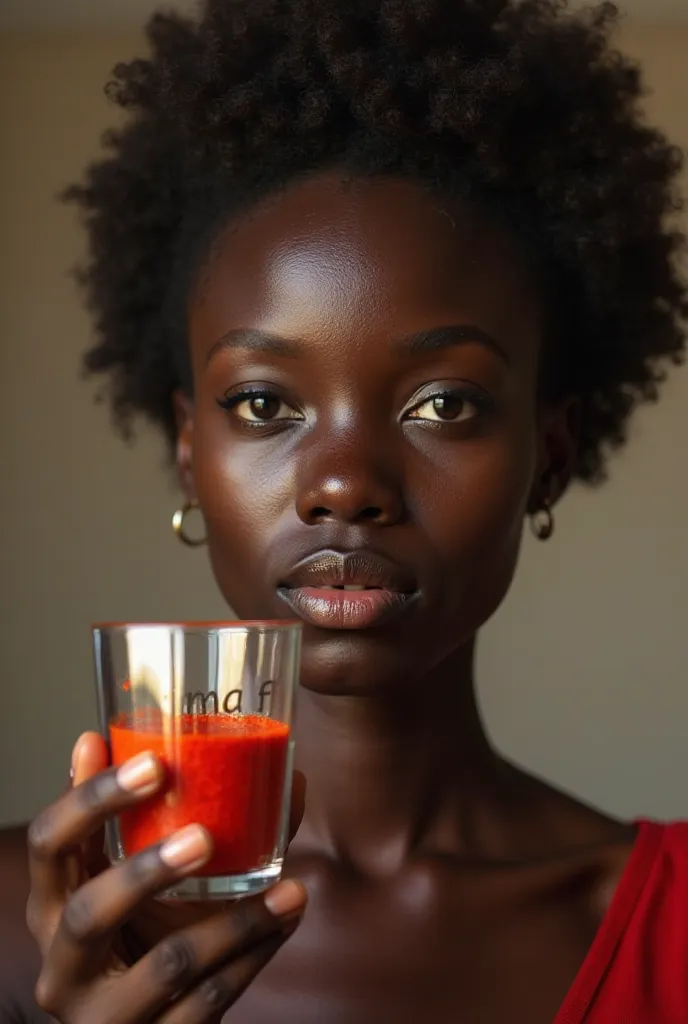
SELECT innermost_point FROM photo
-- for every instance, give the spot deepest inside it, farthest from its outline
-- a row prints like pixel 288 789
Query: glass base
pixel 224 887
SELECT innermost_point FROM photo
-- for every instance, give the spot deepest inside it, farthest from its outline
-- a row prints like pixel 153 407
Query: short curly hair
pixel 523 104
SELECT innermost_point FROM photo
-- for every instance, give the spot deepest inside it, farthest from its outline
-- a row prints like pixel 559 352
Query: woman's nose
pixel 349 485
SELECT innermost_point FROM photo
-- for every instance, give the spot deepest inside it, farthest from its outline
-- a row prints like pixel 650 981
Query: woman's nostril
pixel 351 498
pixel 368 514
pixel 320 512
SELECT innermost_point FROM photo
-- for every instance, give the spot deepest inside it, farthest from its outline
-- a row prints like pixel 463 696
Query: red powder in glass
pixel 226 773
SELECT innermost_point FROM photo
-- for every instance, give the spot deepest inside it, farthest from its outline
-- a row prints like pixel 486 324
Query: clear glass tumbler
pixel 214 702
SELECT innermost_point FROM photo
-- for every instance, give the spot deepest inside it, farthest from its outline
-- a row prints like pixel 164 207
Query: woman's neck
pixel 390 776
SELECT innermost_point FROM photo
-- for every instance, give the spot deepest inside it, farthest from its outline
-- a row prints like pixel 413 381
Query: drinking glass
pixel 214 701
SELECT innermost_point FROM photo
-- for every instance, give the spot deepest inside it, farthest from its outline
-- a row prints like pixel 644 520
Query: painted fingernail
pixel 140 775
pixel 286 899
pixel 187 848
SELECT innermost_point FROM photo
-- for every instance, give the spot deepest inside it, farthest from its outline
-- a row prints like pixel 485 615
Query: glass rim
pixel 203 626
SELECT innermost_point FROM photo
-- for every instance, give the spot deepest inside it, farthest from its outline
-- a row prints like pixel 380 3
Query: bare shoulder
pixel 19 956
pixel 557 823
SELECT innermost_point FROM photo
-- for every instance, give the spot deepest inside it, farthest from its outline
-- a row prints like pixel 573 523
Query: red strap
pixel 614 924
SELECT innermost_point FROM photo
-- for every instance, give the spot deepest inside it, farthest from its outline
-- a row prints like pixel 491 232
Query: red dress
pixel 637 969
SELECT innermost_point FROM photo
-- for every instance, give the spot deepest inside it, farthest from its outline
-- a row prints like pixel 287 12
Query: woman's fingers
pixel 78 813
pixel 96 912
pixel 232 946
pixel 209 1001
pixel 192 975
pixel 90 756
pixel 245 937
pixel 60 830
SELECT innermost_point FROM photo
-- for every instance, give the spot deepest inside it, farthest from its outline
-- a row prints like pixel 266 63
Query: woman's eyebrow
pixel 451 335
pixel 433 339
pixel 256 341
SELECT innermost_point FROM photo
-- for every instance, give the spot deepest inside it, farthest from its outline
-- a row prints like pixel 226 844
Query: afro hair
pixel 522 104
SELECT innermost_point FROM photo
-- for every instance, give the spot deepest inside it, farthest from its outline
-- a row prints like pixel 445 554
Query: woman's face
pixel 364 414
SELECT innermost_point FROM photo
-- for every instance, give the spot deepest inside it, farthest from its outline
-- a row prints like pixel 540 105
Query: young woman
pixel 389 274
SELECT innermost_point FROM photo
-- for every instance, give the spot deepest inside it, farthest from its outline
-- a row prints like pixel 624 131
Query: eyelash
pixel 231 402
pixel 478 398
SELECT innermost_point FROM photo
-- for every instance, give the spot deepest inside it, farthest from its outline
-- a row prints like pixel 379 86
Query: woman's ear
pixel 183 417
pixel 558 452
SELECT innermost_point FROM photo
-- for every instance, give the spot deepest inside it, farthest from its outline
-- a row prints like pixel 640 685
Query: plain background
pixel 584 671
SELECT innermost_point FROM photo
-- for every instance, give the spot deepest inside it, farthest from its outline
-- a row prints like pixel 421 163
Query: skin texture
pixel 443 882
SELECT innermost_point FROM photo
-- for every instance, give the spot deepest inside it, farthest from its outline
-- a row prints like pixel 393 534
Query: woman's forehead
pixel 328 249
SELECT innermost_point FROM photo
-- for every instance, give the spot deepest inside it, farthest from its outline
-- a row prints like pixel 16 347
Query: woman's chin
pixel 358 663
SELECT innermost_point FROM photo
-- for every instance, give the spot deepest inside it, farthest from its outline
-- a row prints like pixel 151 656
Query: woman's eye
pixel 447 408
pixel 260 407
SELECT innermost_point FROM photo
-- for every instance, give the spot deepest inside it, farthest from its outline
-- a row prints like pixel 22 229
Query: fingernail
pixel 286 899
pixel 189 847
pixel 139 775
pixel 75 756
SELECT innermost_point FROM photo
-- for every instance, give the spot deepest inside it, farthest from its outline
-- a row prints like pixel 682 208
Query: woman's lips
pixel 345 608
pixel 353 589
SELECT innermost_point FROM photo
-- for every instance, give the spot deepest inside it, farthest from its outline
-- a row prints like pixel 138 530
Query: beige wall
pixel 584 673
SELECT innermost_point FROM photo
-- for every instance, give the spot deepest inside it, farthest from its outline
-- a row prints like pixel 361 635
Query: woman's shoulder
pixel 651 901
pixel 19 955
pixel 636 966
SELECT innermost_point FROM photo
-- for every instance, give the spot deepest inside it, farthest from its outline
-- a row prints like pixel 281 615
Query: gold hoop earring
pixel 178 521
pixel 542 522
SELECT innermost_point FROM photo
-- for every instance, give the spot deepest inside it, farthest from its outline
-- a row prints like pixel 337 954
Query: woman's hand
pixel 197 970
